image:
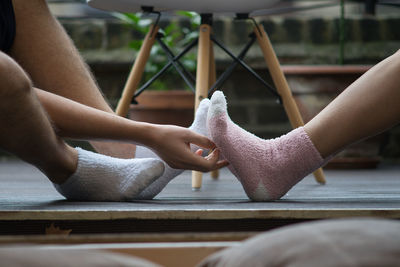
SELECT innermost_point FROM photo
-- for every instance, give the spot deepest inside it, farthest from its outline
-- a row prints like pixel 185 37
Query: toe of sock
pixel 156 167
pixel 201 116
pixel 204 104
pixel 218 104
pixel 150 171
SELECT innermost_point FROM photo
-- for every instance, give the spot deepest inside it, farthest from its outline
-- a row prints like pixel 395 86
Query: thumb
pixel 201 141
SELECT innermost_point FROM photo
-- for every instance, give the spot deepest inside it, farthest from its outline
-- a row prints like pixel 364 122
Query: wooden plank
pixel 80 227
pixel 125 238
pixel 289 212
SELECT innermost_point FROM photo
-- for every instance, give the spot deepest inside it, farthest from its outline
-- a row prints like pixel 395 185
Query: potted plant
pixel 167 100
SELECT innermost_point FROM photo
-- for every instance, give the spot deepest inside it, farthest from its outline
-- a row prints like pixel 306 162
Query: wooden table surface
pixel 27 198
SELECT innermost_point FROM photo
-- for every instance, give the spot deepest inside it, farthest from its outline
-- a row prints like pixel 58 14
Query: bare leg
pixel 26 130
pixel 48 55
pixel 78 174
pixel 268 169
pixel 367 107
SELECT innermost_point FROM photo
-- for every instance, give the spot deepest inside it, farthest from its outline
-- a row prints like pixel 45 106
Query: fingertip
pixel 204 142
pixel 211 144
pixel 222 163
pixel 199 152
pixel 216 151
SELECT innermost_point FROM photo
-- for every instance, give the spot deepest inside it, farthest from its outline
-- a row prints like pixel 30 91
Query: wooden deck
pixel 29 204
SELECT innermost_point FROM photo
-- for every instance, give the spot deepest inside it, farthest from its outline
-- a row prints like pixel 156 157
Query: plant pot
pixel 314 87
pixel 174 107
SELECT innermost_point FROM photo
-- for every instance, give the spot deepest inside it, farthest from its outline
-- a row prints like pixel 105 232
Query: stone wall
pixel 296 40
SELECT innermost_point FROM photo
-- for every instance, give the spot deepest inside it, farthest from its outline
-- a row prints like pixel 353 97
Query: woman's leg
pixel 367 107
pixel 49 56
pixel 267 169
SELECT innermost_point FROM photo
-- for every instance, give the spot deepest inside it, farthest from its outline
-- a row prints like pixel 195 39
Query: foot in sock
pixel 103 178
pixel 198 126
pixel 267 169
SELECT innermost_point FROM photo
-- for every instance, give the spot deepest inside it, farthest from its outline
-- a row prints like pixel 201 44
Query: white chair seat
pixel 199 6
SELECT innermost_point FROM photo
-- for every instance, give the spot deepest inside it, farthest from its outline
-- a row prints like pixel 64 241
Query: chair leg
pixel 136 73
pixel 212 79
pixel 282 86
pixel 202 82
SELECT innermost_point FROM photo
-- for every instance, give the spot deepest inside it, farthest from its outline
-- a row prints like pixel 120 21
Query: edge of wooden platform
pixel 126 238
pixel 216 214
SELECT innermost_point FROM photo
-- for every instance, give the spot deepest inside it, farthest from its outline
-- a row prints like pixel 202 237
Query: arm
pixel 171 143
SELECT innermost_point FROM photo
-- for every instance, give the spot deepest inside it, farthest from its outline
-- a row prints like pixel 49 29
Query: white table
pixel 205 75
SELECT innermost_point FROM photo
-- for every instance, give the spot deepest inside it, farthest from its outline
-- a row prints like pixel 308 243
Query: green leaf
pixel 175 37
pixel 136 44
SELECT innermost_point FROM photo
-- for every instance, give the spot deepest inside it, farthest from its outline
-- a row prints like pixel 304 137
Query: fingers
pixel 195 161
pixel 213 158
pixel 178 155
pixel 221 164
pixel 199 152
pixel 200 140
pixel 210 163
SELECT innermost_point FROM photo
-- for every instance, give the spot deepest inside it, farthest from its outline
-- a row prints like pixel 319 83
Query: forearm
pixel 171 143
pixel 77 121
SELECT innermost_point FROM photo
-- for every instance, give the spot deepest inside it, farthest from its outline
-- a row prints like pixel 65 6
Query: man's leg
pixel 25 129
pixel 48 55
pixel 77 174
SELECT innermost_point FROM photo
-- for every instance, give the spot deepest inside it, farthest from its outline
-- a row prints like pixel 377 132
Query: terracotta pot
pixel 314 87
pixel 174 107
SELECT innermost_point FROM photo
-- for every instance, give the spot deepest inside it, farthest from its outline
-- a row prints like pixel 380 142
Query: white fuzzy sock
pixel 198 126
pixel 103 178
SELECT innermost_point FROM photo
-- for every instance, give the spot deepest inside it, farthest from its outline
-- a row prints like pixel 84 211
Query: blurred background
pixel 322 51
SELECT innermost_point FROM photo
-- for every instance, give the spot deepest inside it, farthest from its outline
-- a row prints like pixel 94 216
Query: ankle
pixel 318 141
pixel 64 167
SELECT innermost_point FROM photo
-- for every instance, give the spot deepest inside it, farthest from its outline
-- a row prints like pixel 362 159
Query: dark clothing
pixel 7 25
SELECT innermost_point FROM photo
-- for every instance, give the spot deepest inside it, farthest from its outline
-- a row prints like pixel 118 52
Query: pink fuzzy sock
pixel 267 169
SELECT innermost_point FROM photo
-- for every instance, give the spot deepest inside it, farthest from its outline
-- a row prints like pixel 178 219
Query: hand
pixel 172 144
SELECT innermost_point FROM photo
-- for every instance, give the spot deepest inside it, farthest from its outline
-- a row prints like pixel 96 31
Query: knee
pixel 14 80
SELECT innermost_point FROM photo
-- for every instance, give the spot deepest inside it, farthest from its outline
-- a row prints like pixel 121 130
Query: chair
pixel 206 80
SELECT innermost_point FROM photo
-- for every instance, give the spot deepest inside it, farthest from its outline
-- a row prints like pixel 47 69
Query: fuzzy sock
pixel 103 178
pixel 198 126
pixel 267 169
